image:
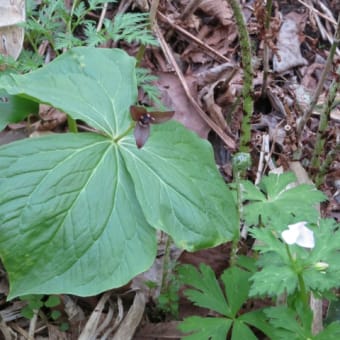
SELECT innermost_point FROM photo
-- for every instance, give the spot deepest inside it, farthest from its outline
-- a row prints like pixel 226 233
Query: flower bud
pixel 321 266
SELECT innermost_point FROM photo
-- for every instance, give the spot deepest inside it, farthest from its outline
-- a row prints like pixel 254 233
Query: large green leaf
pixel 69 222
pixel 14 108
pixel 94 85
pixel 178 187
pixel 78 212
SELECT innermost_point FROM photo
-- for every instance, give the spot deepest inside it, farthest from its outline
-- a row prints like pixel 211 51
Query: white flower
pixel 299 234
pixel 321 266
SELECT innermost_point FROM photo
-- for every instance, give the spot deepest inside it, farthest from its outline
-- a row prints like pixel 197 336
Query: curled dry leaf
pixel 288 44
pixel 218 8
pixel 12 12
pixel 174 96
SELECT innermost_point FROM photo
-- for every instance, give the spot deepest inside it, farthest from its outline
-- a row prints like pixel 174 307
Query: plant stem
pixel 302 287
pixel 166 267
pixel 240 163
pixel 266 49
pixel 152 18
pixel 301 124
pixel 235 241
pixel 132 125
pixel 69 21
pixel 247 90
pixel 319 179
pixel 323 124
pixel 72 124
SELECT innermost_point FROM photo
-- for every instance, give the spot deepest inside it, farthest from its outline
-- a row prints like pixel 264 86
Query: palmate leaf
pixel 207 292
pixel 286 324
pixel 79 212
pixel 14 109
pixel 205 328
pixel 279 205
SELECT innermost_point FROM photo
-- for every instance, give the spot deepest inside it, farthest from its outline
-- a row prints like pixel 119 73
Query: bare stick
pixel 199 42
pixel 102 17
pixel 230 143
pixel 308 112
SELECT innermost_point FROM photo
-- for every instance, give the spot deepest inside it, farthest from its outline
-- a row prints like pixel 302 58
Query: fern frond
pixel 80 10
pixel 65 40
pixel 146 80
pixel 93 38
pixel 95 4
pixel 131 27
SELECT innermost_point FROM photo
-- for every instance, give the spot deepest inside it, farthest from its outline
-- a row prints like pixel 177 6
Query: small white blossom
pixel 321 266
pixel 299 234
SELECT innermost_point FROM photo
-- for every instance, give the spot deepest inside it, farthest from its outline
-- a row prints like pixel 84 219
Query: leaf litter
pixel 297 60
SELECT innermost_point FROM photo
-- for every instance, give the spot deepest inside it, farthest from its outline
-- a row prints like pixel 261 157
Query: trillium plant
pixel 79 212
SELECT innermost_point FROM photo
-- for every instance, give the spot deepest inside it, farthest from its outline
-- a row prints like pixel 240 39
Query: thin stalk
pixel 72 124
pixel 166 266
pixel 240 162
pixel 152 18
pixel 304 296
pixel 132 125
pixel 247 91
pixel 301 124
pixel 319 179
pixel 69 21
pixel 236 238
pixel 266 49
pixel 32 42
pixel 323 123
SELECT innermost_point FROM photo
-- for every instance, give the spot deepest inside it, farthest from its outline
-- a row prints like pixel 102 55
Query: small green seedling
pixel 207 293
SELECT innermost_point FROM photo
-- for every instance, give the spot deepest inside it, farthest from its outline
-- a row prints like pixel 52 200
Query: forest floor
pixel 200 76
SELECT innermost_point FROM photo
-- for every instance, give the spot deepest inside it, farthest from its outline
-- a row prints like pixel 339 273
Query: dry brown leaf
pixel 218 8
pixel 90 330
pixel 133 318
pixel 288 44
pixel 175 98
pixel 54 333
pixel 219 38
pixel 50 118
pixel 161 330
pixel 12 12
pixel 214 110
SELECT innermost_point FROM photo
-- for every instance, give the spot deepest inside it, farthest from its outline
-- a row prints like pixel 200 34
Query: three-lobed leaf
pixel 277 202
pixel 79 212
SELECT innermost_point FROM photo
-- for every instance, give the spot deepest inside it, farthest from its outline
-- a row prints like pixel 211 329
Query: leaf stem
pixel 132 125
pixel 266 49
pixel 152 19
pixel 247 90
pixel 302 287
pixel 72 125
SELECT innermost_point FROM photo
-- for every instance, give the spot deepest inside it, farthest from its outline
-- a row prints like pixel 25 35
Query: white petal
pixel 299 234
pixel 290 236
pixel 306 238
